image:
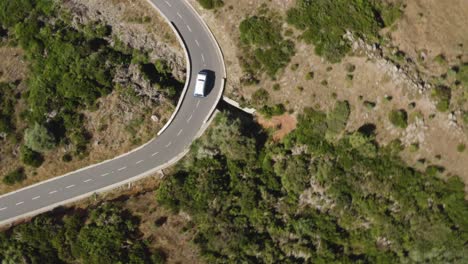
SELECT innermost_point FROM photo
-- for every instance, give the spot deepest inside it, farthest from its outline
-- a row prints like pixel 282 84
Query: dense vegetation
pixel 266 49
pixel 7 107
pixel 314 200
pixel 70 68
pixel 211 4
pixel 103 235
pixel 325 22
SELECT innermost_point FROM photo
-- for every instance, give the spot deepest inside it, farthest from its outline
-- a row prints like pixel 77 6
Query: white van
pixel 200 85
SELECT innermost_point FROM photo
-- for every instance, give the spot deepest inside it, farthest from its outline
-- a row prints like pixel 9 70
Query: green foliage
pixel 398 118
pixel 15 176
pixel 71 67
pixel 461 147
pixel 338 118
pixel 211 4
pixel 310 200
pixel 269 111
pixel 442 95
pixel 31 157
pixel 324 22
pixel 269 51
pixel 260 97
pixel 462 75
pixel 106 235
pixel 38 138
pixel 7 108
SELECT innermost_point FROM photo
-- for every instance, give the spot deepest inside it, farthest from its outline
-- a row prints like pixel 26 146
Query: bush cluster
pixel 255 201
pixel 268 51
pixel 106 234
pixel 325 22
pixel 71 67
pixel 398 118
pixel 211 4
pixel 15 176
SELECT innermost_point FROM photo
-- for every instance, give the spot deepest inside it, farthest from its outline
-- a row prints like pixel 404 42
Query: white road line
pixel 168 144
pixel 198 103
pixel 203 58
pixel 70 186
pixel 123 168
pixel 35 198
pixel 179 15
pixel 52 192
pixel 105 174
pixel 189 29
pixel 88 180
pixel 180 132
pixel 3 208
pixel 190 118
pixel 138 162
pixel 154 154
pixel 168 3
pixel 19 203
pixel 198 43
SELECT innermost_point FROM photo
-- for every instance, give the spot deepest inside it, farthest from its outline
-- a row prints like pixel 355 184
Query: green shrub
pixel 31 157
pixel 211 4
pixel 38 138
pixel 269 111
pixel 462 76
pixel 399 118
pixel 324 22
pixel 461 147
pixel 15 176
pixel 267 49
pixel 261 96
pixel 309 76
pixel 7 108
pixel 442 95
pixel 338 118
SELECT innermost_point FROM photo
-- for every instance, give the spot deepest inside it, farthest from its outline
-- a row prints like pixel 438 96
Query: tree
pixel 38 138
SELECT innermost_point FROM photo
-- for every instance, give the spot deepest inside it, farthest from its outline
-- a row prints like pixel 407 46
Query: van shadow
pixel 210 81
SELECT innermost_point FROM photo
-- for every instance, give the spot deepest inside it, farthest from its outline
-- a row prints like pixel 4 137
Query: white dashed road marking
pixel 138 162
pixel 35 198
pixel 198 103
pixel 179 15
pixel 20 203
pixel 203 58
pixel 168 144
pixel 70 186
pixel 3 208
pixel 52 192
pixel 169 4
pixel 198 43
pixel 190 118
pixel 123 168
pixel 180 132
pixel 105 174
pixel 189 29
pixel 154 154
pixel 88 180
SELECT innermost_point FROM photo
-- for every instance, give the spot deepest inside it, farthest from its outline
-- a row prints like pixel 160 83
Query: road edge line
pixel 11 221
pixel 188 67
pixel 220 55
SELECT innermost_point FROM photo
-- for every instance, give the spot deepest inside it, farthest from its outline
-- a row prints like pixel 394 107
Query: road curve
pixel 203 53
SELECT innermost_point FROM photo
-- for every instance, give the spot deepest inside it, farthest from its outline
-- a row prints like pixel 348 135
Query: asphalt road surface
pixel 158 153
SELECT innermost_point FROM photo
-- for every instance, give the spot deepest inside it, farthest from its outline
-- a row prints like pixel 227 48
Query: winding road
pixel 189 120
